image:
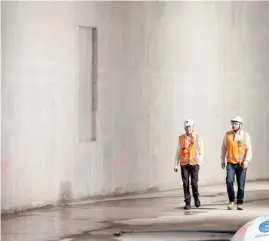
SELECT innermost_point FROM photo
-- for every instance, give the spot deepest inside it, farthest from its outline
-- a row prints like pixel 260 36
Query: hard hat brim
pixel 233 121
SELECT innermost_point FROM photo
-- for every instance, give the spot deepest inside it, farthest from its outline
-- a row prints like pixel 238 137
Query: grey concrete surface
pixel 156 216
pixel 159 62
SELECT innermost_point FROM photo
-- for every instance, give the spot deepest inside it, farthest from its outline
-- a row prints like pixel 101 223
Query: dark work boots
pixel 197 203
pixel 187 206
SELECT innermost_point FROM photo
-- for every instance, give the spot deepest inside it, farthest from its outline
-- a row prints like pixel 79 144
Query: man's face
pixel 189 130
pixel 236 126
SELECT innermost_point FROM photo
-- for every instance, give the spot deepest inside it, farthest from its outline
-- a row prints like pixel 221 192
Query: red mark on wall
pixel 120 160
pixel 5 167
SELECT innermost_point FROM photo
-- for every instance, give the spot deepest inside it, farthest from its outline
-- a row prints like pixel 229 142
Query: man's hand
pixel 223 165
pixel 175 169
pixel 245 165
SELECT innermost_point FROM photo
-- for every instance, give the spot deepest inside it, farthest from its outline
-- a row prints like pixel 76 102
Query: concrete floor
pixel 155 216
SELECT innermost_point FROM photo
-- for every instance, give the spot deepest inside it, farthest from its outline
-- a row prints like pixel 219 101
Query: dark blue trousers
pixel 236 170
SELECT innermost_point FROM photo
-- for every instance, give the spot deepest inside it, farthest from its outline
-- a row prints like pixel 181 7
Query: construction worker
pixel 189 156
pixel 237 150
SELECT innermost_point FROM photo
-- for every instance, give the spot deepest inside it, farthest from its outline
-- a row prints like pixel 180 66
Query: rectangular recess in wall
pixel 87 83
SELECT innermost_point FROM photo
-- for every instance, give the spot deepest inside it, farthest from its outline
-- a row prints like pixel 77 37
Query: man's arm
pixel 248 157
pixel 200 155
pixel 178 156
pixel 223 152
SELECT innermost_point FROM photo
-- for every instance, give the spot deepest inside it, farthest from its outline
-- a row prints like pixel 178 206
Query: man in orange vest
pixel 189 156
pixel 237 149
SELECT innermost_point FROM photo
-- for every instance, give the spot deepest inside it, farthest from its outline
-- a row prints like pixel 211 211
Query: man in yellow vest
pixel 237 149
pixel 189 156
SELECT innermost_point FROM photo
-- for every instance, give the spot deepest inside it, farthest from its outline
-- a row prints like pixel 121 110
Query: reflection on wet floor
pixel 160 236
pixel 99 221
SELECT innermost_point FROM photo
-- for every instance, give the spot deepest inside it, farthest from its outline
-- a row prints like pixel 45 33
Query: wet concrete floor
pixel 157 216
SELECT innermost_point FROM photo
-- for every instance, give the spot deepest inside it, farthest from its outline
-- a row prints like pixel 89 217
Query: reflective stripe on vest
pixel 188 151
pixel 236 150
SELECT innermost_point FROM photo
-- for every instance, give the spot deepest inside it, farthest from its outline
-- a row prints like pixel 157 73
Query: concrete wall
pixel 158 63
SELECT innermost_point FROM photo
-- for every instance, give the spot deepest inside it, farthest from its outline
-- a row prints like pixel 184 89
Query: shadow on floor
pixel 203 207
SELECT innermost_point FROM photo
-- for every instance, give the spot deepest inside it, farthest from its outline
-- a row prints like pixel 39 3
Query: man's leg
pixel 230 184
pixel 194 183
pixel 241 179
pixel 186 185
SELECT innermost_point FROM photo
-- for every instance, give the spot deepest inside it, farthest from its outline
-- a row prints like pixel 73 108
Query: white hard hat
pixel 237 119
pixel 188 122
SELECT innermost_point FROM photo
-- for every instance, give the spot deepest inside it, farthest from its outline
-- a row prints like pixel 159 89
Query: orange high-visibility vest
pixel 236 149
pixel 188 152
